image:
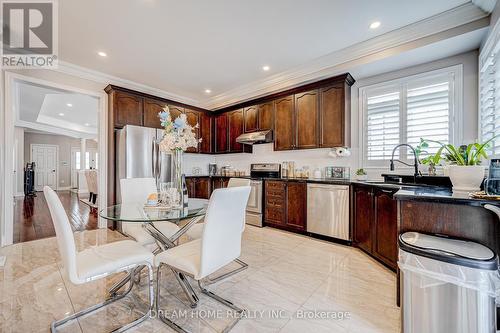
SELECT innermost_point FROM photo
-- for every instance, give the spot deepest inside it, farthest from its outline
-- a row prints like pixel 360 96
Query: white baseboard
pixel 19 194
pixel 64 188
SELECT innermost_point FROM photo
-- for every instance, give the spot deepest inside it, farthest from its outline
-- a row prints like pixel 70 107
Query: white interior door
pixel 45 158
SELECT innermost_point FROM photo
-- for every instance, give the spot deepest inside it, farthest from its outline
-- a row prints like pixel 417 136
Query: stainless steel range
pixel 255 204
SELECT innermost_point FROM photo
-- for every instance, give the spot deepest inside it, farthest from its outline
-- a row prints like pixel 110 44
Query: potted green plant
pixel 361 174
pixel 465 170
pixel 432 160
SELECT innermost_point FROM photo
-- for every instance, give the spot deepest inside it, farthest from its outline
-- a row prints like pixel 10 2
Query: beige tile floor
pixel 289 275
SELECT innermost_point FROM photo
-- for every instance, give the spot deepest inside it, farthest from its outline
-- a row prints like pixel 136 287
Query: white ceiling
pixel 184 47
pixel 39 108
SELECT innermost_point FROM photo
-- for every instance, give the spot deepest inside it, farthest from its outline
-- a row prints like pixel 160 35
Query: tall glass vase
pixel 178 178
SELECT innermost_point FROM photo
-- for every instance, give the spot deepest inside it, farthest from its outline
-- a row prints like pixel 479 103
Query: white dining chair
pixel 219 245
pixel 137 190
pixel 196 231
pixel 96 262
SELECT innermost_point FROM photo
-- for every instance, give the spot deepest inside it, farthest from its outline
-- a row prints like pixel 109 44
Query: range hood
pixel 255 137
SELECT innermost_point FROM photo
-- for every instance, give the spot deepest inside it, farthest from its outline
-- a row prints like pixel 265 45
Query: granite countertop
pixel 404 192
pixel 441 195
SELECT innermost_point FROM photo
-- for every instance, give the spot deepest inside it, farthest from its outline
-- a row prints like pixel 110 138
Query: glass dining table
pixel 147 216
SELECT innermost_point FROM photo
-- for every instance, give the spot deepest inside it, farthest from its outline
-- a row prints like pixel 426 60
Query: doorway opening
pixel 56 144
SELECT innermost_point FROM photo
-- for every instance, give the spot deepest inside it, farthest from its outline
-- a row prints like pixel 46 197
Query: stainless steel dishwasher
pixel 328 210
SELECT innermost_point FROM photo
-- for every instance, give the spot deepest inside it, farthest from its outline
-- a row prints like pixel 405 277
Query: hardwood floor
pixel 32 218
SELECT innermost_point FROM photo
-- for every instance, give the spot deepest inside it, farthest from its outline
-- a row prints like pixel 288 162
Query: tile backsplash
pixel 264 153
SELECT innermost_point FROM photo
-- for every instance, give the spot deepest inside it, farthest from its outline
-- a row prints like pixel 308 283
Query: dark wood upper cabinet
pixel 385 246
pixel 296 205
pixel 175 111
pixel 151 109
pixel 205 133
pixel 363 217
pixel 251 117
pixel 307 120
pixel 221 133
pixel 332 116
pixel 266 116
pixel 128 109
pixel 284 124
pixel 235 124
pixel 193 118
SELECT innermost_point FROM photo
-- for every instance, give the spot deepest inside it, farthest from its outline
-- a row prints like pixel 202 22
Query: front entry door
pixel 45 158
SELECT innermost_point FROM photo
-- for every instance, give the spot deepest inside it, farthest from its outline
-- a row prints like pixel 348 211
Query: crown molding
pixel 486 5
pixel 96 76
pixel 467 15
pixel 459 20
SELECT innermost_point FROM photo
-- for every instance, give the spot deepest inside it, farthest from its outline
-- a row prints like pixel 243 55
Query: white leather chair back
pixel 235 182
pixel 137 190
pixel 64 234
pixel 224 221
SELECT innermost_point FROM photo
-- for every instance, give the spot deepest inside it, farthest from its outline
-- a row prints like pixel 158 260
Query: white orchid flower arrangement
pixel 178 134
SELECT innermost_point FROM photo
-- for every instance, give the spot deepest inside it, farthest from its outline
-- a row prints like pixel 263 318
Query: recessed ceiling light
pixel 69 104
pixel 102 54
pixel 87 124
pixel 375 25
pixel 266 68
pixel 208 91
pixel 61 114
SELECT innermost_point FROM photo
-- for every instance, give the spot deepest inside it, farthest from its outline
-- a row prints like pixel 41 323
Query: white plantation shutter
pixel 404 110
pixel 428 113
pixel 489 95
pixel 382 119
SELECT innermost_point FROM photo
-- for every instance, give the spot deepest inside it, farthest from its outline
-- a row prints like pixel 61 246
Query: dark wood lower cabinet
pixel 199 187
pixel 375 223
pixel 219 182
pixel 285 205
pixel 296 203
pixel 385 246
pixel 363 217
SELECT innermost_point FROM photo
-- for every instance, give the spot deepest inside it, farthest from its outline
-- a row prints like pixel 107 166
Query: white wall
pixel 319 157
pixel 64 143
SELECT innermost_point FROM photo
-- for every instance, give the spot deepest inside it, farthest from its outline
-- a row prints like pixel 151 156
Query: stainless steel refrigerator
pixel 138 156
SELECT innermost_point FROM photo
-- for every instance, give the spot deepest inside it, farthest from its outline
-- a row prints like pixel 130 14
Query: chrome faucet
pixel 415 165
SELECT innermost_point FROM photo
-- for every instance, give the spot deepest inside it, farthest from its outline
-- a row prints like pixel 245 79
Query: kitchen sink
pixel 410 185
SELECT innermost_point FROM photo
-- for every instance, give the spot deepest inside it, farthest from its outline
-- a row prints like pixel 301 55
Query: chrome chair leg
pixel 187 288
pixel 112 299
pixel 243 266
pixel 161 316
pixel 117 286
pixel 239 311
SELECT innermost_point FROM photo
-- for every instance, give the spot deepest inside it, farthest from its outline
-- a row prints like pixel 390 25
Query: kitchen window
pixel 407 109
pixel 489 93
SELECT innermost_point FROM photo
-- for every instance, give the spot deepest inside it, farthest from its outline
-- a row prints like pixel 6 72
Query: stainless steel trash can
pixel 447 285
